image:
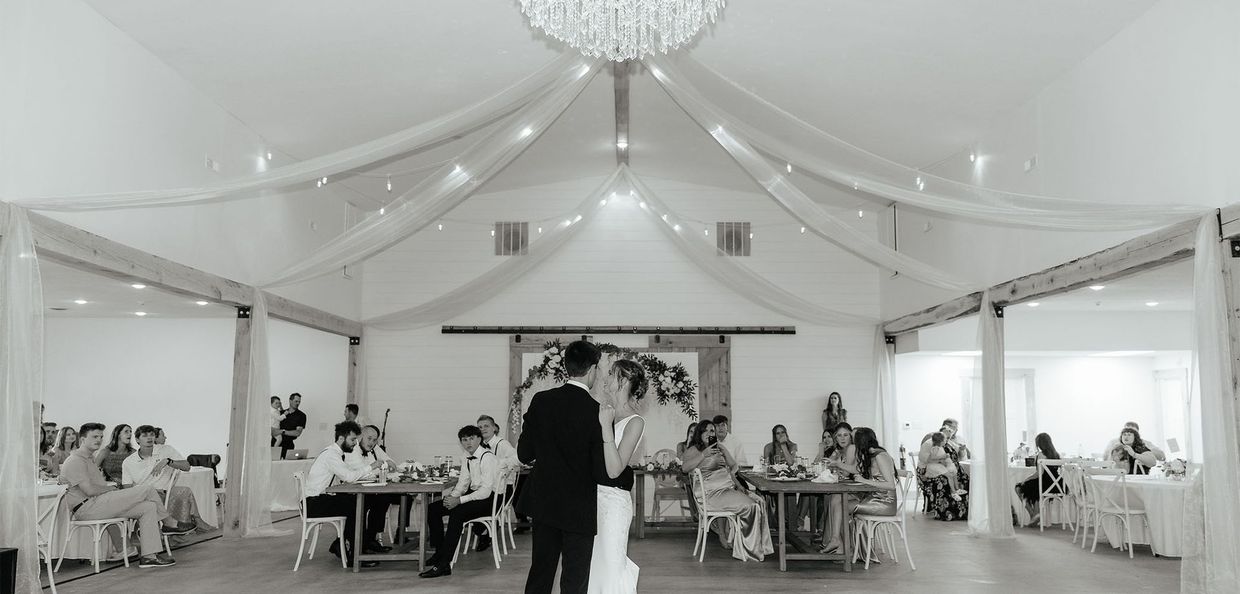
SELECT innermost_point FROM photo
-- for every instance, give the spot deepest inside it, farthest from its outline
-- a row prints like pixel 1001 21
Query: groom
pixel 561 439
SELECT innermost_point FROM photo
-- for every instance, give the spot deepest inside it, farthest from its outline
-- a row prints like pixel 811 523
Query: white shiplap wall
pixel 618 271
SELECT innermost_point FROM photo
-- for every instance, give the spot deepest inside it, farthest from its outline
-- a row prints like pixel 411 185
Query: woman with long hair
pixel 834 413
pixel 1028 489
pixel 875 468
pixel 720 491
pixel 1131 451
pixel 781 450
pixel 110 457
pixel 66 440
pixel 682 446
pixel 611 570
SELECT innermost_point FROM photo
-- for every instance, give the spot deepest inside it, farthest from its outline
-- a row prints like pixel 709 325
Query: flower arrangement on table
pixel 1176 469
pixel 786 471
pixel 670 383
pixel 413 472
pixel 672 466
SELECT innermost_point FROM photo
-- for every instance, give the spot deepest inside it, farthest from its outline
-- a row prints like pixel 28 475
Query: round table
pixel 1163 502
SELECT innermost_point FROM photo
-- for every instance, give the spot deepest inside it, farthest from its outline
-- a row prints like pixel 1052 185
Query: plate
pixel 784 479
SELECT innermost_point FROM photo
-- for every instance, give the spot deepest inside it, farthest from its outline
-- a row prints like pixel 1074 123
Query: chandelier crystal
pixel 622 29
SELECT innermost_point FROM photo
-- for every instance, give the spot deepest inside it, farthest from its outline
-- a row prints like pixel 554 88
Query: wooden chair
pixel 707 515
pixel 1110 500
pixel 97 527
pixel 869 526
pixel 1051 489
pixel 47 515
pixel 500 501
pixel 667 488
pixel 310 526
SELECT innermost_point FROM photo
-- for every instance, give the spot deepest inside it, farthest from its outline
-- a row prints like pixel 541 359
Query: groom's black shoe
pixel 484 543
pixel 435 571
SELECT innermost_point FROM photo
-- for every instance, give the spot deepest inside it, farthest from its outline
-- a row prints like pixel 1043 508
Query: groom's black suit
pixel 560 436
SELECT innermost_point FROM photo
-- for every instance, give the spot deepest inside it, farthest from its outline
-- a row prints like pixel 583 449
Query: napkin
pixel 826 476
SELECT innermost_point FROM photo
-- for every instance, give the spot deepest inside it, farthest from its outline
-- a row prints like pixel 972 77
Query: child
pixel 277 414
pixel 941 464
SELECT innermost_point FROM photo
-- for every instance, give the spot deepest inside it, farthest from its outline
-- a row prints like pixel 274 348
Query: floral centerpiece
pixel 1176 469
pixel 669 466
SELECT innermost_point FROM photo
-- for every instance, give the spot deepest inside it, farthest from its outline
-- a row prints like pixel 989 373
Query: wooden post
pixel 1231 285
pixel 233 506
pixel 355 375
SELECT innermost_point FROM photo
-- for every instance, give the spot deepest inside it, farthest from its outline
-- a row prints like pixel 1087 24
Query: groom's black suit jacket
pixel 560 436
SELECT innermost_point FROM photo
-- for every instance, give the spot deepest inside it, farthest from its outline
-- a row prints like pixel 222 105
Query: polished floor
pixel 947 561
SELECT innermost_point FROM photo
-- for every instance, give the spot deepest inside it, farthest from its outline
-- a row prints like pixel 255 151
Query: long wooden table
pixel 806 551
pixel 640 522
pixel 401 550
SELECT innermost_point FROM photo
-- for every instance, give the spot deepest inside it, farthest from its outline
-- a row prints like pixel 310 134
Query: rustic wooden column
pixel 242 347
pixel 1231 285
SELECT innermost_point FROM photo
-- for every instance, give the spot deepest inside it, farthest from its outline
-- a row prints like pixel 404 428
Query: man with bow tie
pixel 469 499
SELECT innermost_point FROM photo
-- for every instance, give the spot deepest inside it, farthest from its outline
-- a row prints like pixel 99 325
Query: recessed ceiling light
pixel 1033 304
pixel 138 286
pixel 1097 287
pixel 139 313
pixel 1151 304
pixel 202 302
pixel 80 301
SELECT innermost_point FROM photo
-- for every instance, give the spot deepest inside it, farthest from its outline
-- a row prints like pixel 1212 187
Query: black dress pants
pixel 552 544
pixel 445 543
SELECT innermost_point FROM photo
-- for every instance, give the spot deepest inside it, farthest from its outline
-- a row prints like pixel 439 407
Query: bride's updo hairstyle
pixel 632 371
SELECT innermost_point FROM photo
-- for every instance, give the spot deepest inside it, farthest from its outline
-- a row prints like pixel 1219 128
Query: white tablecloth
pixel 1163 501
pixel 284 495
pixel 201 482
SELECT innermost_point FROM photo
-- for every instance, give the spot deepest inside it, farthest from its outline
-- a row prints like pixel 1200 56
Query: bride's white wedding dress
pixel 611 570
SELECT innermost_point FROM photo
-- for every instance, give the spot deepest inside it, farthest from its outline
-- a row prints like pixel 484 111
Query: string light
pixel 602 202
pixel 567 222
pixel 382 210
pixel 802 230
pixel 200 303
pixel 860 214
pixel 642 204
pixel 751 235
pixel 972 157
pixel 80 301
pixel 676 227
pixel 138 286
pixel 389 184
pixel 577 219
pixel 492 232
pixel 318 183
pixel 540 230
pixel 706 232
pixel 526 132
pixel 139 313
pixel 622 145
pixel 456 169
pixel 664 217
pixel 790 168
pixel 441 226
pixel 268 155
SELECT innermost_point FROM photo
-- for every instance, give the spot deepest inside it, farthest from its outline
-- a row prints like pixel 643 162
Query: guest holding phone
pixel 719 483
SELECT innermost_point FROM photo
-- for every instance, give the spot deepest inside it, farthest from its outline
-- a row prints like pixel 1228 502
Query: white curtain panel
pixel 462 121
pixel 444 189
pixel 255 475
pixel 492 282
pixel 21 390
pixel 885 423
pixel 730 273
pixel 809 149
pixel 791 198
pixel 989 492
pixel 1212 552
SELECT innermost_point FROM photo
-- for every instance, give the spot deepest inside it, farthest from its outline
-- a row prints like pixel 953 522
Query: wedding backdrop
pixel 766 145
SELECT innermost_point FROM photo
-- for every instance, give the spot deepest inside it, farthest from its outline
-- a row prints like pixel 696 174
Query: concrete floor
pixel 947 561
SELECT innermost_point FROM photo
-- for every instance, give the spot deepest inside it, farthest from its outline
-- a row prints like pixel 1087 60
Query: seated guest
pixel 843 454
pixel 47 458
pixel 111 457
pixel 469 499
pixel 64 444
pixel 938 463
pixel 49 433
pixel 328 466
pixel 90 498
pixel 729 440
pixel 161 438
pixel 876 469
pixel 718 468
pixel 682 446
pixel 152 465
pixel 1028 490
pixel 1131 454
pixel 508 463
pixel 825 447
pixel 939 487
pixel 352 413
pixel 368 456
pixel 1149 445
pixel 781 450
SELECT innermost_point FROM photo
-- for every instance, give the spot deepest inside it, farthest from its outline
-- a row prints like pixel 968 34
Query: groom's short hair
pixel 580 356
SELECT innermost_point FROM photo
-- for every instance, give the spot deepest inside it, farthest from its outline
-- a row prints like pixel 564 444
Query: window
pixel 512 239
pixel 733 238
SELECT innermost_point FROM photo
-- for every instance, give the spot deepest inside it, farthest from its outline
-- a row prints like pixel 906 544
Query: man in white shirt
pixel 364 457
pixel 507 456
pixel 329 468
pixel 1149 445
pixel 153 464
pixel 727 439
pixel 470 498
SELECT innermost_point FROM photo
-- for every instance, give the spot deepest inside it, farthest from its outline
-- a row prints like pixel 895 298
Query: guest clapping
pixel 1131 453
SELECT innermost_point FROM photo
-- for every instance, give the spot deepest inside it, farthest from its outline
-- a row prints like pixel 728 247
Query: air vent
pixel 733 238
pixel 512 239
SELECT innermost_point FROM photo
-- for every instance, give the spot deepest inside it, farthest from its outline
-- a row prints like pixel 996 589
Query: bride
pixel 611 571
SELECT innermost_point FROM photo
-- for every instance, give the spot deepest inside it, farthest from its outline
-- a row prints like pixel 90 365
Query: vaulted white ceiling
pixel 913 80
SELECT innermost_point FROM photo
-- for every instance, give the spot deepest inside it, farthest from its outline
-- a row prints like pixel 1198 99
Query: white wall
pixel 1082 402
pixel 1149 117
pixel 177 374
pixel 619 271
pixel 86 109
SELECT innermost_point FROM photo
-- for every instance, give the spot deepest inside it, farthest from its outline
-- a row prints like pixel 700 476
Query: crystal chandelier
pixel 622 29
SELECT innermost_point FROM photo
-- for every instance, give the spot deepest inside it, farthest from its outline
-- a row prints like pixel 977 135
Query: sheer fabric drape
pixel 256 473
pixel 1211 561
pixel 414 138
pixel 989 492
pixel 21 389
pixel 885 423
pixel 807 148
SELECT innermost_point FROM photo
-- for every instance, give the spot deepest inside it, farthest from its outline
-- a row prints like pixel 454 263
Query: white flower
pixel 553 350
pixel 555 358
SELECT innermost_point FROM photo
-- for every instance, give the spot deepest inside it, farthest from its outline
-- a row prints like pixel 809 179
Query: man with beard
pixel 368 455
pixel 331 465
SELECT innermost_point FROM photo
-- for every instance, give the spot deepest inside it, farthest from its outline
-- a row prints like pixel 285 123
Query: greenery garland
pixel 670 383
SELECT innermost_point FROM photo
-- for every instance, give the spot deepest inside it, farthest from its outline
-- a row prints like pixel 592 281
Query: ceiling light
pixel 802 230
pixel 578 218
pixel 1151 304
pixel 790 168
pixel 642 204
pixel 540 230
pixel 139 313
pixel 972 157
pixel 567 222
pixel 138 286
pixel 268 155
pixel 625 30
pixel 860 214
pixel 1097 287
pixel 456 169
pixel 382 211
pixel 80 301
pixel 1033 304
pixel 527 131
pixel 389 183
pixel 202 302
pixel 706 232
pixel 676 227
pixel 751 235
pixel 441 226
pixel 622 145
pixel 664 217
pixel 602 203
pixel 492 232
